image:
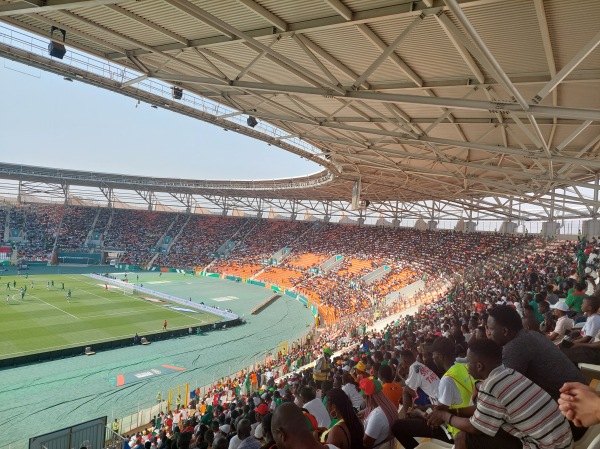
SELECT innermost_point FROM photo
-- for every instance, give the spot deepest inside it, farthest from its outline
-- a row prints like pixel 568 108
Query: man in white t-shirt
pixel 454 392
pixel 419 376
pixel 377 426
pixel 176 418
pixel 563 323
pixel 590 306
pixel 315 406
pixel 234 442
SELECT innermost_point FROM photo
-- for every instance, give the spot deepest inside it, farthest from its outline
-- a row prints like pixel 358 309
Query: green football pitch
pixel 44 320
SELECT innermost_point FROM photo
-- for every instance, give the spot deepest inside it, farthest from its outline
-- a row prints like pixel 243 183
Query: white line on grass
pixel 81 290
pixel 110 314
pixel 156 305
pixel 57 308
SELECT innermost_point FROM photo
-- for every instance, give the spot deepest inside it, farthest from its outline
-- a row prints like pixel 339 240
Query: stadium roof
pixel 452 100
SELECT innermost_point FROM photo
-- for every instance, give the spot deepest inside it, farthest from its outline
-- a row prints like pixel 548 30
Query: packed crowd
pixel 266 238
pixel 201 239
pixel 37 226
pixel 101 224
pixel 76 224
pixel 136 231
pixel 475 366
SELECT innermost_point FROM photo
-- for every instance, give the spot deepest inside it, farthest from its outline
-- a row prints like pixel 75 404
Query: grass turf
pixel 44 320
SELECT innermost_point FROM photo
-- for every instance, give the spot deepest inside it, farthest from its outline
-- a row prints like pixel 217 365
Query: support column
pixel 259 213
pixel 327 217
pixel 508 227
pixel 397 217
pixel 432 224
pixel 294 211
pixel 551 228
pixel 362 216
pixel 470 225
pixel 225 207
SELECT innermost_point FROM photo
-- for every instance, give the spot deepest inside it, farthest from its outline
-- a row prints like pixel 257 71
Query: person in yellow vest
pixel 454 393
pixel 115 426
pixel 322 366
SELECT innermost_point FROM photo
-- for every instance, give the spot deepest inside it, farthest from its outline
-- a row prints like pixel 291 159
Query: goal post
pixel 75 260
pixel 129 289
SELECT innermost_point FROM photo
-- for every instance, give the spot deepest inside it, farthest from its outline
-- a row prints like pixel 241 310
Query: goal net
pixel 74 260
pixel 129 289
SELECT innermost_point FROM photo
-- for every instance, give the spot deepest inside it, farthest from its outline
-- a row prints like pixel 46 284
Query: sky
pixel 47 121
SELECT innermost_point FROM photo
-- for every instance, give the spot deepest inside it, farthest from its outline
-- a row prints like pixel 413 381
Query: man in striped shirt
pixel 511 411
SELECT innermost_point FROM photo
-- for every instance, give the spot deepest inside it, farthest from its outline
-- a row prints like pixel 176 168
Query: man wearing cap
pixel 454 393
pixel 259 413
pixel 563 322
pixel 322 366
pixel 360 371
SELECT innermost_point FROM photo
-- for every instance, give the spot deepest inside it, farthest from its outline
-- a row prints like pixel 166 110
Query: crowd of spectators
pixel 37 227
pixel 76 225
pixel 473 353
pixel 200 240
pixel 134 230
pixel 104 215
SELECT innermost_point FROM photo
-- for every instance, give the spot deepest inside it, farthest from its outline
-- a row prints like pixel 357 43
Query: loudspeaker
pixel 177 93
pixel 252 122
pixel 56 50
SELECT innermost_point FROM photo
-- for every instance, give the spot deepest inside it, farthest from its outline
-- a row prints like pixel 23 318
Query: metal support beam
pixel 564 72
pixel 340 8
pixel 387 52
pixel 544 111
pixel 41 6
pixel 573 135
pixel 153 26
pixel 462 51
pixel 215 22
pixel 265 14
pixel 410 73
pixel 480 50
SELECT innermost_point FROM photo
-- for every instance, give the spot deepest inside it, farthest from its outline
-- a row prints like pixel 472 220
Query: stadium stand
pixel 202 237
pixel 467 277
pixel 76 224
pixel 453 315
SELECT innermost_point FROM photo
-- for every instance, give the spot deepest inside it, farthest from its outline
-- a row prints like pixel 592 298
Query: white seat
pixel 441 443
pixel 595 444
pixel 436 445
pixel 591 437
pixel 589 366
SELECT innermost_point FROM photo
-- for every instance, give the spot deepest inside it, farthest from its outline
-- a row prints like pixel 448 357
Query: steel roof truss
pixel 483 53
pixel 376 40
pixel 265 14
pixel 387 52
pixel 317 61
pixel 568 68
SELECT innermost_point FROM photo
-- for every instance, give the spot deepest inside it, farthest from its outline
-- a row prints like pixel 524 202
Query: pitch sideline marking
pixel 152 304
pixel 57 308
